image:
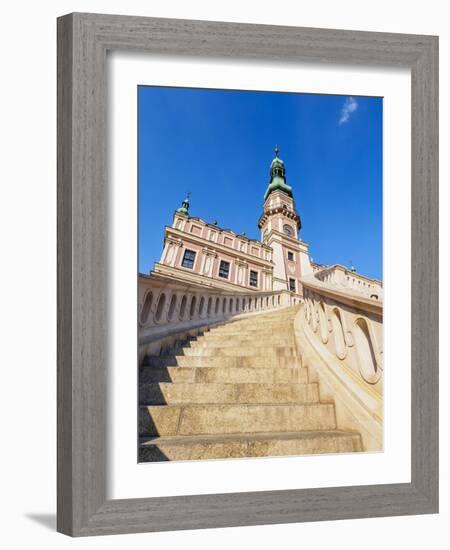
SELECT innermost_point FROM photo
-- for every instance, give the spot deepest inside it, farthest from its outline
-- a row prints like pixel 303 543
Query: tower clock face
pixel 287 229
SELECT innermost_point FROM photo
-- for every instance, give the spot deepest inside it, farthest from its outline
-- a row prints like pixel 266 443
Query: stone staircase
pixel 238 390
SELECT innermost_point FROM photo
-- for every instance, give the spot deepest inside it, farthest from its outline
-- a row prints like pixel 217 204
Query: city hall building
pixel 198 251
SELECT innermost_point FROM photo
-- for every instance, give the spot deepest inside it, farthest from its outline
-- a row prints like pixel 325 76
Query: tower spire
pixel 278 176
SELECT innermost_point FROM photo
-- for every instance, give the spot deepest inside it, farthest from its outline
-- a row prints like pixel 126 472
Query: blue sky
pixel 218 144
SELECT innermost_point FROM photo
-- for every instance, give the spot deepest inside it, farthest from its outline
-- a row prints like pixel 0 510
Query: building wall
pixel 211 245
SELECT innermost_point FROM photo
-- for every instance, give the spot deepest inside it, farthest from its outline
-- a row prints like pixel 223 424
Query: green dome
pixel 278 183
pixel 184 208
pixel 277 177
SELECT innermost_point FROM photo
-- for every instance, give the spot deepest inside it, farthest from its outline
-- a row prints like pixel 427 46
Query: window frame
pixel 250 278
pixel 194 252
pixel 220 267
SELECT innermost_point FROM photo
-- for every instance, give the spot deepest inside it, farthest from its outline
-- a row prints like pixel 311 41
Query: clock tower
pixel 280 226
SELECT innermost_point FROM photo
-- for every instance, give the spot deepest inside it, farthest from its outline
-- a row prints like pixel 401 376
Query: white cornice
pixel 289 214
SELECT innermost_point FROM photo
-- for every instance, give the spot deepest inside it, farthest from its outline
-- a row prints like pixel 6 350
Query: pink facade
pixel 208 247
pixel 204 253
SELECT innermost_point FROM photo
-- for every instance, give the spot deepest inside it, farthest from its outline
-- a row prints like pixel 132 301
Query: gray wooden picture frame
pixel 83 41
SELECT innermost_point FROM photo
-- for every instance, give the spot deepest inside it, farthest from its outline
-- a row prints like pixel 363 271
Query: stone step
pixel 259 320
pixel 248 445
pixel 186 393
pixel 242 351
pixel 256 375
pixel 283 313
pixel 213 360
pixel 272 334
pixel 273 339
pixel 228 342
pixel 220 419
pixel 262 325
pixel 247 333
pixel 253 320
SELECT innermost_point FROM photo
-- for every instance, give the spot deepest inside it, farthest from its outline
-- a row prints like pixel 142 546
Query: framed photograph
pixel 247 274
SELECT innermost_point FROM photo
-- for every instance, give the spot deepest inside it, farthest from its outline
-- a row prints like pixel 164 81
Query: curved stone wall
pixel 340 337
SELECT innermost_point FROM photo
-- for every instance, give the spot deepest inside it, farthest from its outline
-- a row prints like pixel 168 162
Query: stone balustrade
pixel 339 276
pixel 348 325
pixel 341 333
pixel 169 307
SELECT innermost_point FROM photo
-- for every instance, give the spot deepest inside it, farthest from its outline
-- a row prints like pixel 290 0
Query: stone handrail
pixel 341 277
pixel 340 333
pixel 168 306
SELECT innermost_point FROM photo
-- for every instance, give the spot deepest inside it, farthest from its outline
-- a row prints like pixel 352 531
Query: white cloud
pixel 349 107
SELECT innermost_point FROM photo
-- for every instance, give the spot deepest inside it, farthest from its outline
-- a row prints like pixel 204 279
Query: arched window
pixel 230 308
pixel 208 311
pixel 146 307
pixel 224 305
pixel 216 310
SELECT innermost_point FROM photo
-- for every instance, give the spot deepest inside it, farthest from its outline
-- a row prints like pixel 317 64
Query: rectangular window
pixel 291 256
pixel 292 285
pixel 224 269
pixel 188 259
pixel 253 278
